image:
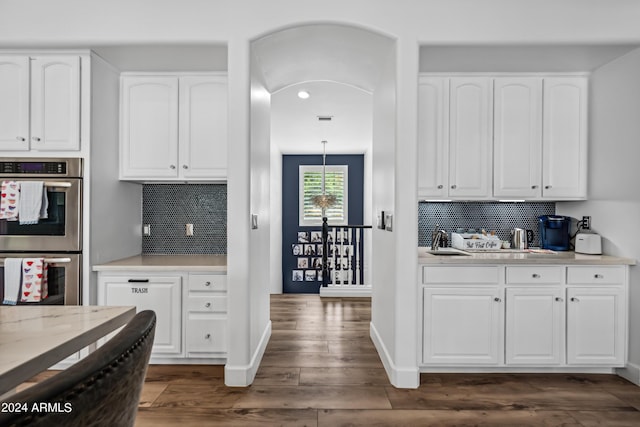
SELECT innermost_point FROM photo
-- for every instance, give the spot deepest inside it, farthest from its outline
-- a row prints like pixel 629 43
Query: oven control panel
pixel 40 167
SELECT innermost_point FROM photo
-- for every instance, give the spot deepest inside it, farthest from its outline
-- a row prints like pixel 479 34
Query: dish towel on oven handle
pixel 33 198
pixel 12 279
pixel 34 280
pixel 9 200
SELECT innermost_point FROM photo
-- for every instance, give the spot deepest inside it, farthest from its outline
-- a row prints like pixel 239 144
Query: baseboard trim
pixel 630 372
pixel 399 377
pixel 243 375
pixel 347 293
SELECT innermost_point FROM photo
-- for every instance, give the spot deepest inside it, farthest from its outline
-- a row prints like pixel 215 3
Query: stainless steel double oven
pixel 58 238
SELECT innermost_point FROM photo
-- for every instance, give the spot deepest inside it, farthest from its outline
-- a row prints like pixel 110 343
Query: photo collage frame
pixel 308 253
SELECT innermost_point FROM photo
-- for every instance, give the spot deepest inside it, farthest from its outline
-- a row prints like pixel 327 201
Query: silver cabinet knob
pixel 454 186
pixel 574 299
pixel 547 187
pixel 598 276
pixel 533 187
pixel 185 167
pixel 535 275
pixel 172 166
pixel 558 299
pixel 440 187
pixel 35 138
pixel 19 138
pixel 208 305
pixel 207 336
pixel 496 299
pixel 207 283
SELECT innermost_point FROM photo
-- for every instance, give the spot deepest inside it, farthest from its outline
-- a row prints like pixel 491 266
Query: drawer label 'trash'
pixel 139 290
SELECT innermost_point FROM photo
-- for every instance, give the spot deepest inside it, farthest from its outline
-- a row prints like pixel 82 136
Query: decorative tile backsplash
pixel 498 216
pixel 168 207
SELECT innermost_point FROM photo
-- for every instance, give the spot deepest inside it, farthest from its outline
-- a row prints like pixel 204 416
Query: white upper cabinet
pixel 433 137
pixel 173 128
pixel 470 128
pixel 149 128
pixel 40 103
pixel 203 127
pixel 517 137
pixel 564 140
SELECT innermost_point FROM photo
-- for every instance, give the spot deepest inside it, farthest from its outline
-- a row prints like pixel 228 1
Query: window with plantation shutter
pixel 336 179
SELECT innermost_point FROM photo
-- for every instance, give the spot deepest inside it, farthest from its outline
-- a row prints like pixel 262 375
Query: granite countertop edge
pixel 191 263
pixel 560 258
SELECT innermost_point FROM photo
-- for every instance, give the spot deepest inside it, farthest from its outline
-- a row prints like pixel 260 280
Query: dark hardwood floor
pixel 321 369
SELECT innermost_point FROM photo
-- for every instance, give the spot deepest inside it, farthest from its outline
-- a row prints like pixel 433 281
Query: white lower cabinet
pixel 534 327
pixel 191 310
pixel 163 295
pixel 551 316
pixel 472 334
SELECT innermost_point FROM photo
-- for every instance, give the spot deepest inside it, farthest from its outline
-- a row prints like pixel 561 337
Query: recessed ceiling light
pixel 303 94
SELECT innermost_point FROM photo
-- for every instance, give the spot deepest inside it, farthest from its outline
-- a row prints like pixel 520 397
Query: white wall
pixel 115 207
pixel 275 250
pixel 614 176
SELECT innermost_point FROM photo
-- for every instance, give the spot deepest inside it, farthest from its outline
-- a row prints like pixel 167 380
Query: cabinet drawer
pixel 454 274
pixel 207 282
pixel 207 304
pixel 534 274
pixel 595 275
pixel 206 333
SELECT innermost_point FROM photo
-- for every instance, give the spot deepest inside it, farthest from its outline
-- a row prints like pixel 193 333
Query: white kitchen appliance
pixel 589 243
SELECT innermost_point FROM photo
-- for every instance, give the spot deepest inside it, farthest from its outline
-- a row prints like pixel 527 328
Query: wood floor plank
pixel 305 346
pixel 314 397
pixel 413 418
pixel 608 418
pixel 150 392
pixel 184 373
pixel 198 395
pixel 323 335
pixel 199 417
pixel 352 346
pixel 343 376
pixel 321 360
pixel 277 376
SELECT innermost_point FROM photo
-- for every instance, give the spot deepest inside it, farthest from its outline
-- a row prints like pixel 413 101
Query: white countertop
pixel 33 338
pixel 214 263
pixel 514 257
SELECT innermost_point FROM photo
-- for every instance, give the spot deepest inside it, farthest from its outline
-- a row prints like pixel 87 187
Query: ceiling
pixel 493 59
pixel 295 128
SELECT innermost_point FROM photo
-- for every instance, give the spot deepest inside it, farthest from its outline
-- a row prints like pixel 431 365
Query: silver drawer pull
pixel 20 138
pixel 496 299
pixel 598 276
pixel 535 275
pixel 559 299
pixel 574 299
pixel 208 305
pixel 35 138
pixel 207 336
pixel 207 283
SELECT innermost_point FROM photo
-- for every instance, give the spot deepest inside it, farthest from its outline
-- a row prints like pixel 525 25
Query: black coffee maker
pixel 554 232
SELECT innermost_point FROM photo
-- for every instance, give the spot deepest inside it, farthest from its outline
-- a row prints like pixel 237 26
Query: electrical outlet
pixel 586 223
pixel 188 229
pixel 146 230
pixel 388 221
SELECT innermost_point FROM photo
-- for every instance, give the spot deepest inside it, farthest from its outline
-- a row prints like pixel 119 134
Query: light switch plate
pixel 388 221
pixel 188 229
pixel 380 222
pixel 254 221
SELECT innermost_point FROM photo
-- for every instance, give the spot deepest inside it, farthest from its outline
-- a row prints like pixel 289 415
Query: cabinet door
pixel 160 294
pixel 55 103
pixel 14 103
pixel 433 97
pixel 596 326
pixel 517 137
pixel 470 128
pixel 149 127
pixel 564 140
pixel 534 326
pixel 203 127
pixel 462 326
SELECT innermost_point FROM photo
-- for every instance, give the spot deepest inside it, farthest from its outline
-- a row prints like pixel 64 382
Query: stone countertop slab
pixel 208 263
pixel 518 257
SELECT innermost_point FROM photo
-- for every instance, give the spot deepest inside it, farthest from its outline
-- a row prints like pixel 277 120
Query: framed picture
pixel 316 263
pixel 297 249
pixel 303 237
pixel 310 275
pixel 309 249
pixel 319 250
pixel 297 276
pixel 303 262
pixel 316 236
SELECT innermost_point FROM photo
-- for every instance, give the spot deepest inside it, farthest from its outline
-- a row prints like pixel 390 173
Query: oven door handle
pixel 48 260
pixel 57 184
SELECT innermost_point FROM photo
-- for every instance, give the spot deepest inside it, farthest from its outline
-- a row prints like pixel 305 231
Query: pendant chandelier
pixel 324 200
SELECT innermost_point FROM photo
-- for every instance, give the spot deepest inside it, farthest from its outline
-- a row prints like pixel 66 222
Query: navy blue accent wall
pixel 290 218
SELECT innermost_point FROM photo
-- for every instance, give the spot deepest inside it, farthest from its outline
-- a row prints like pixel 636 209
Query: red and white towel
pixel 25 201
pixel 34 280
pixel 9 200
pixel 12 280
